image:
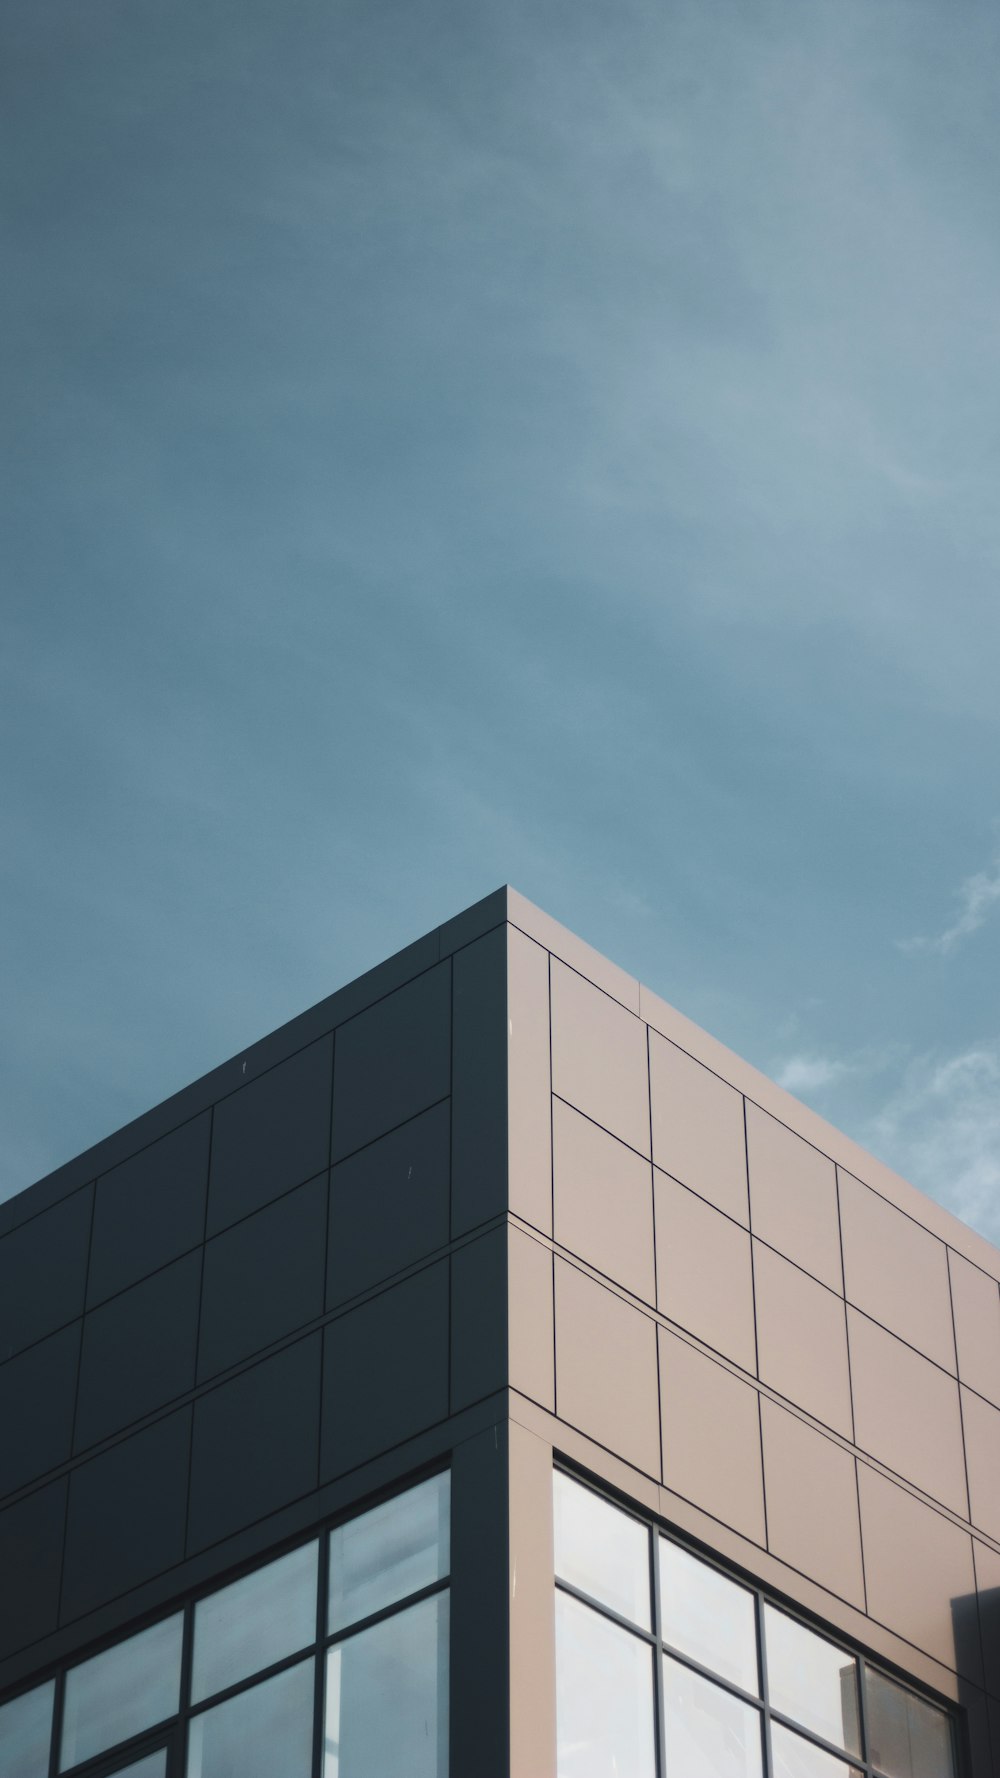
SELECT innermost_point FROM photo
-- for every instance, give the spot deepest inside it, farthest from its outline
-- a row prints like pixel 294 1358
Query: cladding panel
pixel 149 1210
pixel 271 1135
pixel 126 1515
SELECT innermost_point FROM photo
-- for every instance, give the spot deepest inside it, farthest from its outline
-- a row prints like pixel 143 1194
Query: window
pixel 668 1667
pixel 285 1670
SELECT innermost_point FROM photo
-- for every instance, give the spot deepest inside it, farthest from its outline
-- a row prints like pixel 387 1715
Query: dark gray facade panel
pixel 238 1071
pixel 392 1061
pixel 37 1393
pixel 126 1515
pixel 149 1210
pixel 138 1351
pixel 43 1273
pixel 256 1441
pixel 479 1098
pixel 480 1697
pixel 271 1135
pixel 263 1278
pixel 389 1205
pixel 385 1370
pixel 472 922
pixel 479 1362
pixel 31 1541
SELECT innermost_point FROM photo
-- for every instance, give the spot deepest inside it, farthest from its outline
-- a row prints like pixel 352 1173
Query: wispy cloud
pixel 940 1128
pixel 936 1119
pixel 806 1074
pixel 977 897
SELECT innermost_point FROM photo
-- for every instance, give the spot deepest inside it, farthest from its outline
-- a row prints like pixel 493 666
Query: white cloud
pixel 807 1074
pixel 940 1128
pixel 938 1123
pixel 977 897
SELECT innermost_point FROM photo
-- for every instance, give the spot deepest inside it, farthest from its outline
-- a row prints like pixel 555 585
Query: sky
pixel 552 443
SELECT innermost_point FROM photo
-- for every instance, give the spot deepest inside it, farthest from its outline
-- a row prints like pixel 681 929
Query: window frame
pixel 657 1529
pixel 172 1733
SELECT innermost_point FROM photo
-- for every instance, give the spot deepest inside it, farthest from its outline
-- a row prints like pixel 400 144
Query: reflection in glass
pixel 261 1733
pixel 709 1733
pixel 390 1552
pixel 601 1550
pixel 25 1733
pixel 907 1738
pixel 387 1698
pixel 256 1621
pixel 119 1693
pixel 812 1680
pixel 708 1616
pixel 604 1697
pixel 153 1766
pixel 795 1758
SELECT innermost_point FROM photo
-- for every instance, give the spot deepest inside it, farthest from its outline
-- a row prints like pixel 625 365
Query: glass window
pixel 908 1738
pixel 153 1766
pixel 261 1733
pixel 119 1693
pixel 604 1696
pixel 387 1697
pixel 795 1758
pixel 709 1733
pixel 390 1552
pixel 601 1550
pixel 254 1622
pixel 812 1680
pixel 708 1617
pixel 26 1732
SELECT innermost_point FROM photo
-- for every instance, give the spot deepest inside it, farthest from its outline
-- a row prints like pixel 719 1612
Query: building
pixel 489 1333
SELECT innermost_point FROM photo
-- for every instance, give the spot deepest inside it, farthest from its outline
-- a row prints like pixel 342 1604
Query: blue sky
pixel 553 443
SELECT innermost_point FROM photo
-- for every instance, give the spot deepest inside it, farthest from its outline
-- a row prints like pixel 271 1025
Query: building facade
pixel 489 1374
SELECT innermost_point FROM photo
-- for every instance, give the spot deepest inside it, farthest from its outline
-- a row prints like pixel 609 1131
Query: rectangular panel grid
pixel 783 1743
pixel 42 1743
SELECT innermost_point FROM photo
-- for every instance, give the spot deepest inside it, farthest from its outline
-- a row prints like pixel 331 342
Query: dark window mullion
pixel 714 1678
pixel 862 1671
pixel 613 1617
pixel 177 1754
pixel 804 1734
pixel 125 1753
pixel 393 1610
pixel 253 1679
pixel 58 1705
pixel 322 1615
pixel 661 1710
pixel 762 1680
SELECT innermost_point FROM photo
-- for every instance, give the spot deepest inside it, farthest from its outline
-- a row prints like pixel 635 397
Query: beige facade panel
pixel 703 1272
pixel 793 1197
pixel 529 1144
pixel 603 1196
pixel 530 1336
pixel 982 1452
pixel 896 1272
pixel 802 1340
pixel 976 1299
pixel 919 1573
pixel 711 1437
pixel 906 1412
pixel 698 1134
pixel 532 1692
pixel 599 1057
pixel 812 1503
pixel 591 964
pixel 606 1374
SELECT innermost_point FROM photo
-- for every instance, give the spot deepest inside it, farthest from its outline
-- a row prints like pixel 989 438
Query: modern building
pixel 489 1374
